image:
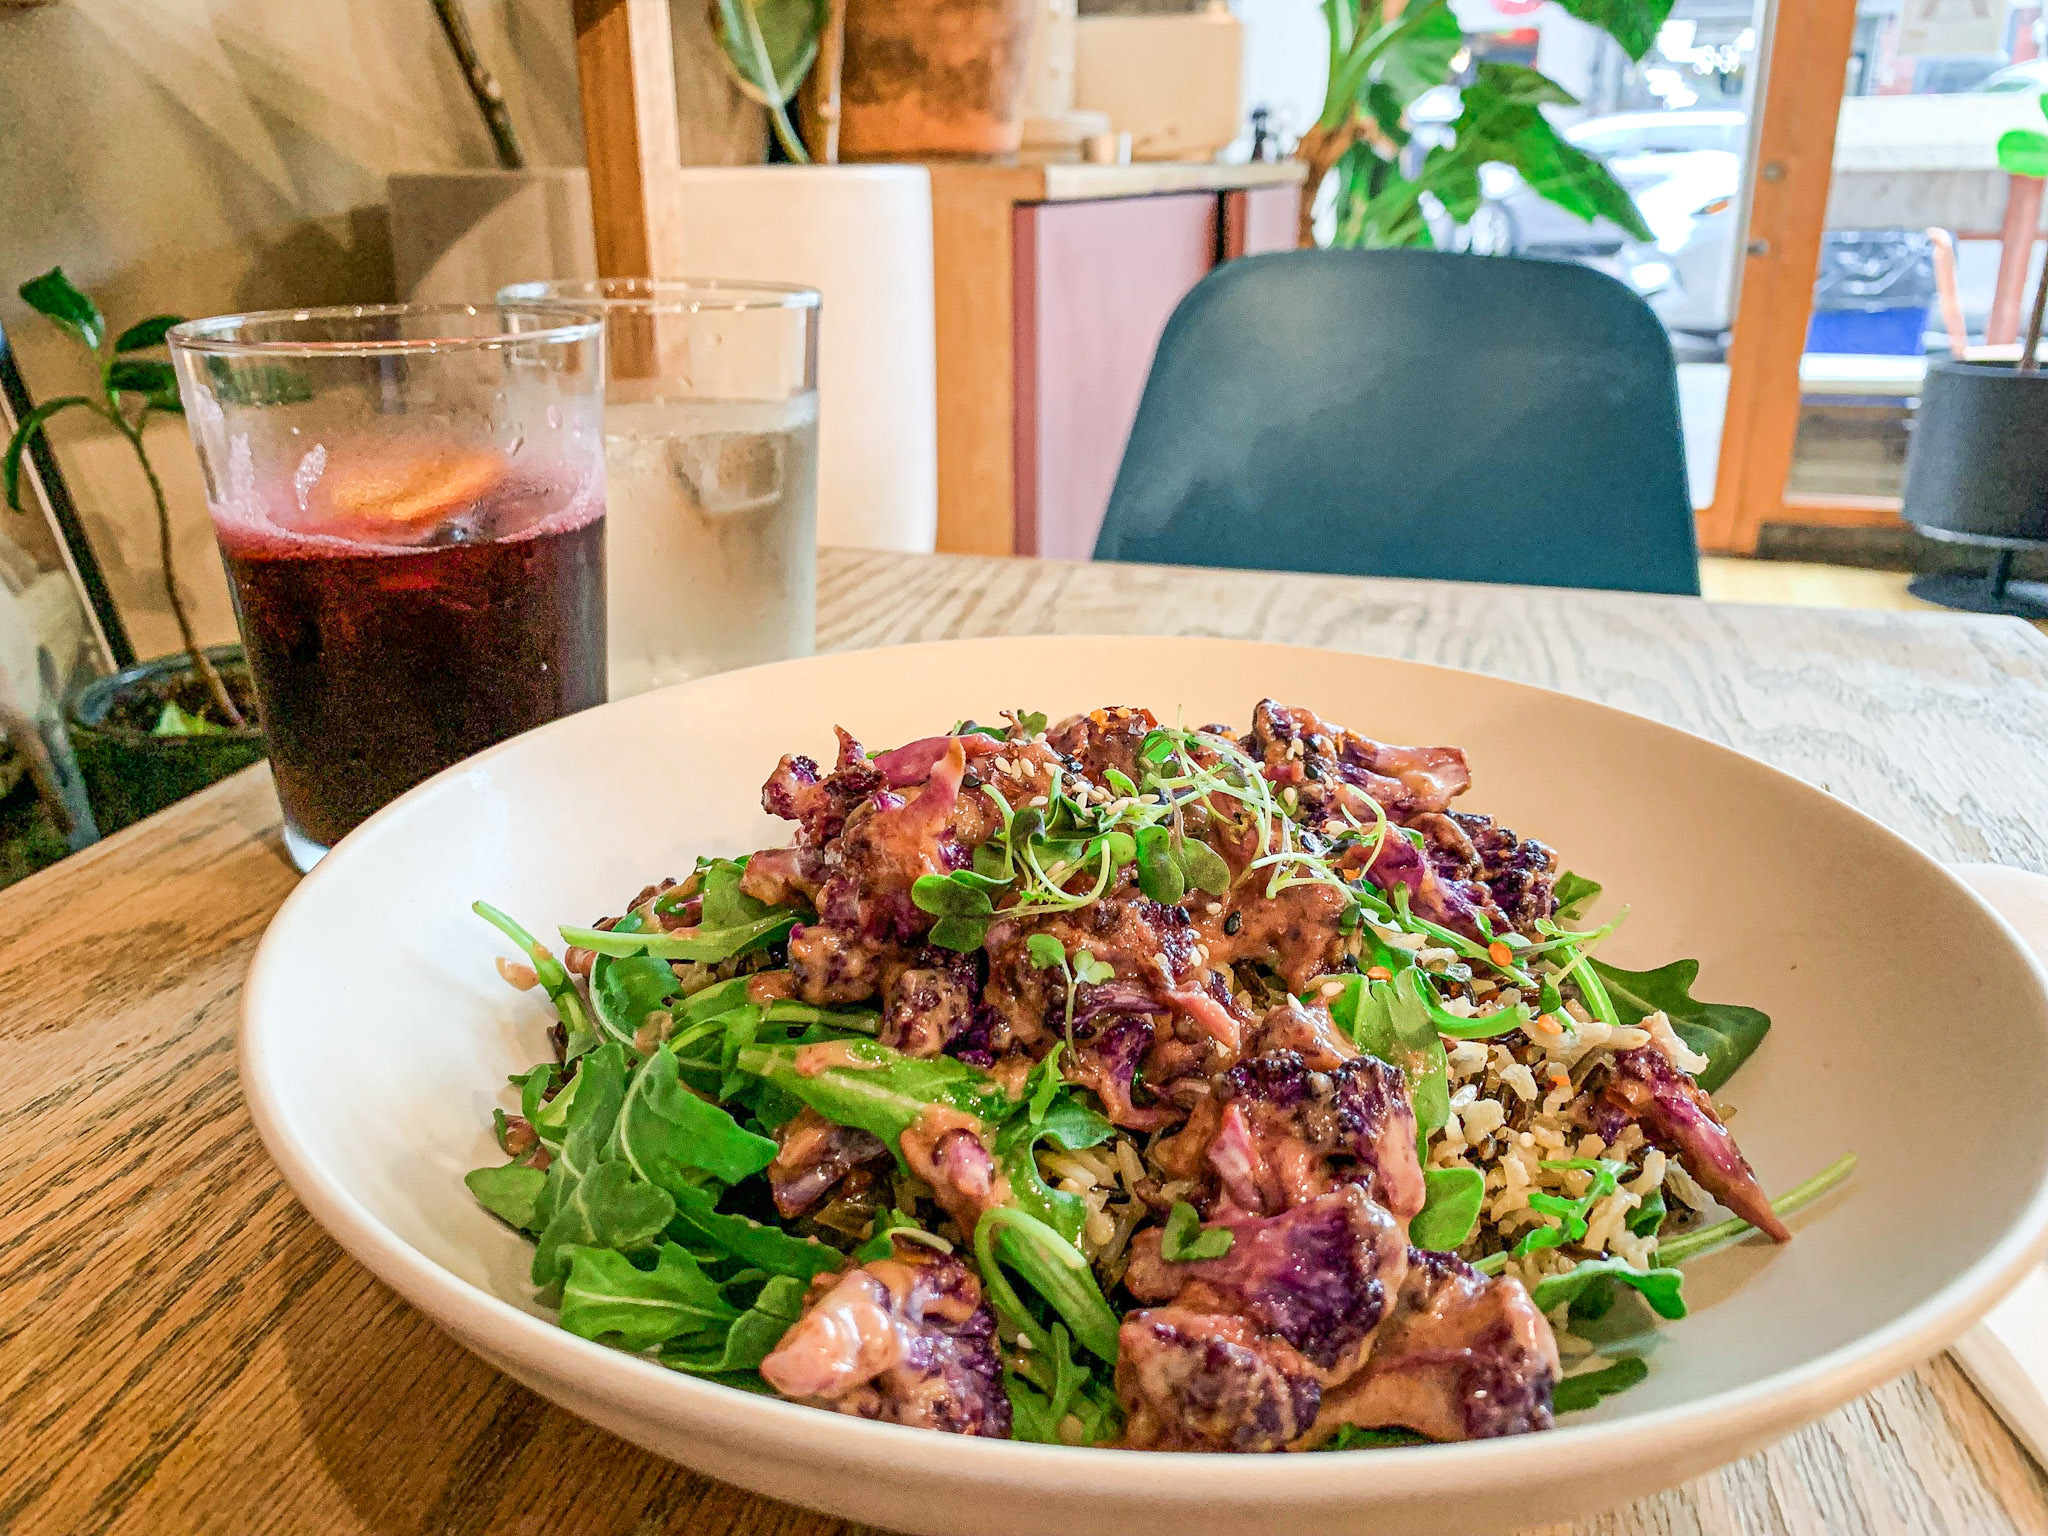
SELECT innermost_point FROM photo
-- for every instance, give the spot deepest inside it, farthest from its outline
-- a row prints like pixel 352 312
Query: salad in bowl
pixel 1101 1081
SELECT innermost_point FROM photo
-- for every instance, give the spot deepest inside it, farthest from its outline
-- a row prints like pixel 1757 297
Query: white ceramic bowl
pixel 1911 1027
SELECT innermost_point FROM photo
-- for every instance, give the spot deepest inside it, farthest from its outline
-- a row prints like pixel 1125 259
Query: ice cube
pixel 729 472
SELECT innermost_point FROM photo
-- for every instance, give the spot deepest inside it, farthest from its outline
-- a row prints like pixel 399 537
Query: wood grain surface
pixel 182 1350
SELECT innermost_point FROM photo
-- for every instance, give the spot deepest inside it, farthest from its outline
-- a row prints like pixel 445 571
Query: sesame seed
pixel 1039 800
pixel 1332 988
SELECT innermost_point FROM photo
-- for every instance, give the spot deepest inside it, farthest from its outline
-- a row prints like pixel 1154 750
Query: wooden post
pixel 1801 101
pixel 625 61
pixel 2016 237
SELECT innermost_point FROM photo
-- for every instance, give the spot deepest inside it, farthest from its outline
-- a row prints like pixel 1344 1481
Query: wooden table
pixel 182 1350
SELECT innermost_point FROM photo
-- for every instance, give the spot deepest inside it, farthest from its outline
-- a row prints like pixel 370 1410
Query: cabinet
pixel 1053 285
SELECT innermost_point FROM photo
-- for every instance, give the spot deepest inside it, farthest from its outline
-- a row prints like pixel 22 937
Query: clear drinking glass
pixel 711 452
pixel 410 506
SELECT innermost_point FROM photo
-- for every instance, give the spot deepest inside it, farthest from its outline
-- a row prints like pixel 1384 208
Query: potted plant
pixel 156 732
pixel 1977 465
pixel 1392 188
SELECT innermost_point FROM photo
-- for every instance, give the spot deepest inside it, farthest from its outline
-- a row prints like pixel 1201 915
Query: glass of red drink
pixel 410 506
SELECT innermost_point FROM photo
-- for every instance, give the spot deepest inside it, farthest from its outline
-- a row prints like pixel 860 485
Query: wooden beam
pixel 1800 100
pixel 625 61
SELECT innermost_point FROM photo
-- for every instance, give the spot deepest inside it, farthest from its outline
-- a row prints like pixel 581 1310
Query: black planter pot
pixel 1977 473
pixel 130 773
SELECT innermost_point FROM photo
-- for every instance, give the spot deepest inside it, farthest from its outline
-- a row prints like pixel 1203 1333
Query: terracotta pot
pixel 934 77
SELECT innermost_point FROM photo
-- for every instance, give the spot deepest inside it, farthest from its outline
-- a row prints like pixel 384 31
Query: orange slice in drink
pixel 401 496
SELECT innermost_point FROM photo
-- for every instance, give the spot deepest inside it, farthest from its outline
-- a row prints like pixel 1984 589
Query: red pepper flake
pixel 1500 954
pixel 1378 973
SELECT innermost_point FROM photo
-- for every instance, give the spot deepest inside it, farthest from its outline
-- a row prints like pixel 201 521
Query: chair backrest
pixel 1411 413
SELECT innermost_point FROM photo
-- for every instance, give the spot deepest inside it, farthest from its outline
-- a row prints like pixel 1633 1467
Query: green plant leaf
pixel 1450 1208
pixel 725 905
pixel 1575 893
pixel 144 334
pixel 1159 876
pixel 698 1223
pixel 554 981
pixel 508 1192
pixel 787 32
pixel 669 1137
pixel 881 1091
pixel 1054 1268
pixel 1419 56
pixel 951 896
pixel 625 989
pixel 1501 119
pixel 607 1208
pixel 1186 1241
pixel 750 1339
pixel 1661 1288
pixel 256 384
pixel 2023 151
pixel 1204 866
pixel 174 721
pixel 1727 1034
pixel 1632 23
pixel 143 376
pixel 606 1296
pixel 57 298
pixel 1575 1393
pixel 31 424
pixel 701 944
pixel 1390 1020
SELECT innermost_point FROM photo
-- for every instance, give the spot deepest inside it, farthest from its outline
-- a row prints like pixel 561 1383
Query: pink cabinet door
pixel 1095 283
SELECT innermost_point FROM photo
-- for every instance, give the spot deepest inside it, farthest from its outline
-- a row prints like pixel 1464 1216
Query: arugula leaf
pixel 1350 1437
pixel 624 990
pixel 669 1136
pixel 606 1296
pixel 1068 1125
pixel 606 1208
pixel 508 1192
pixel 1592 1282
pixel 1576 1393
pixel 883 1091
pixel 1571 1214
pixel 724 904
pixel 881 1241
pixel 1450 1208
pixel 1045 1082
pixel 752 1336
pixel 699 1223
pixel 1391 1020
pixel 589 1202
pixel 1048 1386
pixel 532 1084
pixel 1575 893
pixel 1054 1268
pixel 1646 1218
pixel 554 979
pixel 1727 1034
pixel 1187 1241
pixel 700 944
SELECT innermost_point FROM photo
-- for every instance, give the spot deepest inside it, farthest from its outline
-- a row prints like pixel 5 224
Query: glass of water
pixel 711 467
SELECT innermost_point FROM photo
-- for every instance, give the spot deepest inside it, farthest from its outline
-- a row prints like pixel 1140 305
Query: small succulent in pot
pixel 130 388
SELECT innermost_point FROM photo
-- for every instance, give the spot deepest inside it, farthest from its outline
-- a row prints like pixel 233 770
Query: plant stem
pixel 215 688
pixel 1319 149
pixel 2030 359
pixel 771 88
pixel 483 85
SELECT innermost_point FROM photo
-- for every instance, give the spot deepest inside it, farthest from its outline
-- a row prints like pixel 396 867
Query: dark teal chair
pixel 1411 413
